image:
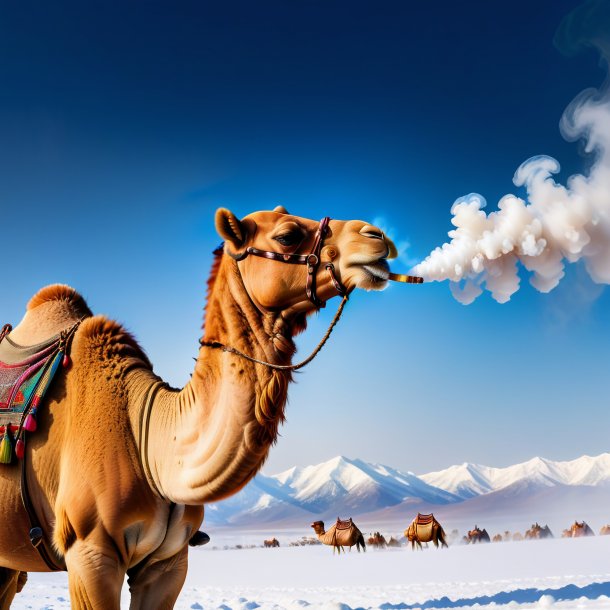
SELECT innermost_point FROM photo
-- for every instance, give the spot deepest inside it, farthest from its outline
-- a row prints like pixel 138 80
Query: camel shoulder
pixel 106 341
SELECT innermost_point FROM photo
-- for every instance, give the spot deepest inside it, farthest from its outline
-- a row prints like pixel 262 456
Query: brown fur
pixel 62 294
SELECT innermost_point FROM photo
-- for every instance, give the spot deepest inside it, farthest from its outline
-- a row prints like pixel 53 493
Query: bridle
pixel 312 260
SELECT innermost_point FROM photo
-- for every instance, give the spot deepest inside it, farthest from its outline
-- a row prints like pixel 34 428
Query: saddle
pixel 26 374
pixel 424 525
pixel 424 519
pixel 344 525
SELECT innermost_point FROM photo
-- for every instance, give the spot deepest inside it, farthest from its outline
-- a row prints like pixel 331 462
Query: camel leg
pixel 157 585
pixel 95 577
pixel 11 582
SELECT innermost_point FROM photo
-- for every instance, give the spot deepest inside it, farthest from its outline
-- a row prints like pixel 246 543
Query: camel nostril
pixel 372 232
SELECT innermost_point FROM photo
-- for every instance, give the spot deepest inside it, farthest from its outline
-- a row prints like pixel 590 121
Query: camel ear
pixel 229 227
pixel 280 209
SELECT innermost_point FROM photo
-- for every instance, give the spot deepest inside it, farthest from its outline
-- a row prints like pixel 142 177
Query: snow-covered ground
pixel 559 573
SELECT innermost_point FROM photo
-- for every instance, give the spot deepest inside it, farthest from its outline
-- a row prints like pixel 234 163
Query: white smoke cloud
pixel 554 224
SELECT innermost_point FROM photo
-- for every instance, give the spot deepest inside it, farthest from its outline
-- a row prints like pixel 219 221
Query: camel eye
pixel 289 239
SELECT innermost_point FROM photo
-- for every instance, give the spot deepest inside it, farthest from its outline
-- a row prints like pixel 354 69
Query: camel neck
pixel 208 440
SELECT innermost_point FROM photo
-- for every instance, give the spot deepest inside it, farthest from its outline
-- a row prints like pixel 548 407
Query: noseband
pixel 312 260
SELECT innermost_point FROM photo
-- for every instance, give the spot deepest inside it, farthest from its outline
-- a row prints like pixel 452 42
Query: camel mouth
pixel 376 274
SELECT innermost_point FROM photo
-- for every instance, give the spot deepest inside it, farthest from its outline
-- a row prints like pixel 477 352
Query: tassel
pixel 30 421
pixel 20 448
pixel 66 362
pixel 6 446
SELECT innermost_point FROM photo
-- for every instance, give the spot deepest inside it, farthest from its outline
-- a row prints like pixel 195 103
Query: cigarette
pixel 405 279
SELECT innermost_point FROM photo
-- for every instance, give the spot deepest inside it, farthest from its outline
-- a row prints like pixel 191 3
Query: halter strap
pixel 281 367
pixel 312 260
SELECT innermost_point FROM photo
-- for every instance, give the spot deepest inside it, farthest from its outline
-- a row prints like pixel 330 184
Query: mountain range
pixel 538 489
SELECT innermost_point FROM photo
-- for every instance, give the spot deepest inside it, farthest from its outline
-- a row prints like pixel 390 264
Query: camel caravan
pixel 425 528
pixel 104 468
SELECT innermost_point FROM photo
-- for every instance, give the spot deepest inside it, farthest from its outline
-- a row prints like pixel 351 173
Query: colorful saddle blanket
pixel 25 375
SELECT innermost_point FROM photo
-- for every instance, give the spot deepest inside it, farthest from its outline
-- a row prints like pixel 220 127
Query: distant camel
pixel 497 538
pixel 517 536
pixel 393 542
pixel 274 542
pixel 579 530
pixel 507 536
pixel 605 530
pixel 537 532
pixel 478 535
pixel 566 533
pixel 377 540
pixel 341 534
pixel 425 528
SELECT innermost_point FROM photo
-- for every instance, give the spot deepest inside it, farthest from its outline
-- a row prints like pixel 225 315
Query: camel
pixel 477 535
pixel 578 530
pixel 425 528
pixel 341 534
pixel 273 543
pixel 121 464
pixel 393 542
pixel 537 532
pixel 517 536
pixel 605 530
pixel 377 540
pixel 497 538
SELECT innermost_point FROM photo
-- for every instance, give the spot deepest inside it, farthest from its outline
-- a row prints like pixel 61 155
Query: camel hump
pixel 61 292
pixel 106 340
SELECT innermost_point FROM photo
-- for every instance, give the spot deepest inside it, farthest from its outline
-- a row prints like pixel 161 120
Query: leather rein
pixel 312 260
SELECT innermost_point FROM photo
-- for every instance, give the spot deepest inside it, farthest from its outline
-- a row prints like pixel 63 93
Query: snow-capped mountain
pixel 470 480
pixel 349 487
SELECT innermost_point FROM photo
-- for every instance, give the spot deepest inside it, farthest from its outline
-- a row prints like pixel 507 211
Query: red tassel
pixel 30 421
pixel 66 362
pixel 35 401
pixel 20 449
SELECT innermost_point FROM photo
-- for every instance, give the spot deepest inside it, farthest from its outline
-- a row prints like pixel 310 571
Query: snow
pixel 559 574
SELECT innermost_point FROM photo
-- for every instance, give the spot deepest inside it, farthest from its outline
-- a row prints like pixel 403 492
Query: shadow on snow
pixel 521 596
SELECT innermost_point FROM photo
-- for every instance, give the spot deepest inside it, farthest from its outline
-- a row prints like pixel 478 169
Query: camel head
pixel 271 247
pixel 318 527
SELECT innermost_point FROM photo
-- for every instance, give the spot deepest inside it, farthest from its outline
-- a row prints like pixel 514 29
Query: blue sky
pixel 123 126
